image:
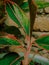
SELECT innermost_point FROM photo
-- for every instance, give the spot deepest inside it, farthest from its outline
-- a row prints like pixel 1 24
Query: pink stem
pixel 27 51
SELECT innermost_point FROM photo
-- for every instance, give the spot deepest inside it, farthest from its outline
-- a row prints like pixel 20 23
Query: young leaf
pixel 8 41
pixel 43 42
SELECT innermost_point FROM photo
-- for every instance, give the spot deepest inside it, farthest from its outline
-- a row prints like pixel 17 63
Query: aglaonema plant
pixel 16 44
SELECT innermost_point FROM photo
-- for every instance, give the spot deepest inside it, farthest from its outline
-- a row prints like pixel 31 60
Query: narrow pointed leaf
pixel 8 41
pixel 18 16
pixel 10 11
pixel 25 23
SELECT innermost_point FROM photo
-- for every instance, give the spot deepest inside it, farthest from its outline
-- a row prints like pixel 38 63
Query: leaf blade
pixel 25 23
pixel 8 41
pixel 11 14
pixel 43 42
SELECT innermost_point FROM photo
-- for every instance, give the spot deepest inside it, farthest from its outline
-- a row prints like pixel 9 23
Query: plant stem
pixel 27 51
pixel 33 9
pixel 26 55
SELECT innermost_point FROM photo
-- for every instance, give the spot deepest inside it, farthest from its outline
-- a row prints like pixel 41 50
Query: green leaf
pixel 13 30
pixel 42 4
pixel 46 4
pixel 2 55
pixel 18 17
pixel 8 59
pixel 25 23
pixel 8 41
pixel 18 61
pixel 31 63
pixel 43 42
pixel 25 6
pixel 10 11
